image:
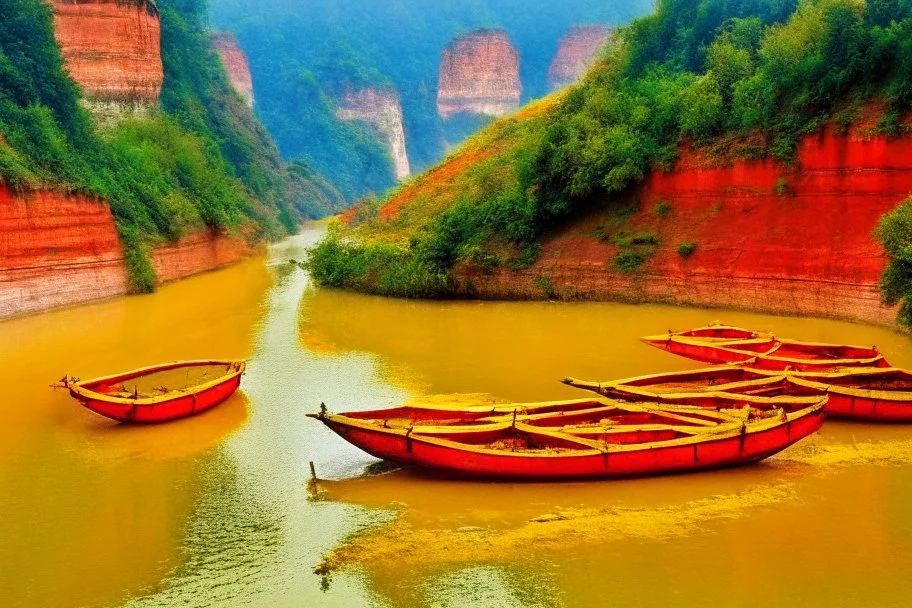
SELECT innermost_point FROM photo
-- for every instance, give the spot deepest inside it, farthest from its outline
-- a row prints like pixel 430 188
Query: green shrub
pixel 687 249
pixel 895 234
pixel 629 260
pixel 546 285
pixel 663 208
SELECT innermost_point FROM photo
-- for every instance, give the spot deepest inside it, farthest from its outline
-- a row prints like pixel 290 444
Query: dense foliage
pixel 895 233
pixel 384 43
pixel 745 76
pixel 203 161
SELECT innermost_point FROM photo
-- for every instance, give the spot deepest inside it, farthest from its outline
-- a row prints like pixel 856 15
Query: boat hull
pixel 727 451
pixel 706 352
pixel 162 409
pixel 861 404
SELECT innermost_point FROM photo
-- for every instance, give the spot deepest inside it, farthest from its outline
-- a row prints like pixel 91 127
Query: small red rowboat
pixel 579 439
pixel 161 392
pixel 734 345
pixel 873 394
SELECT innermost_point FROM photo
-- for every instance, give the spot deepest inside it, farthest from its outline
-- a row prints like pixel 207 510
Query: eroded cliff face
pixel 113 51
pixel 576 52
pixel 381 111
pixel 59 250
pixel 790 240
pixel 479 74
pixel 236 65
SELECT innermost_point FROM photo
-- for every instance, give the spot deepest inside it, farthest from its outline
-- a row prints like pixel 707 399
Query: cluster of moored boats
pixel 763 395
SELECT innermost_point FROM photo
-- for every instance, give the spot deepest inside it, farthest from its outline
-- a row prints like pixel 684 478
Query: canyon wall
pixel 236 65
pixel 112 49
pixel 381 111
pixel 59 250
pixel 788 240
pixel 479 74
pixel 576 52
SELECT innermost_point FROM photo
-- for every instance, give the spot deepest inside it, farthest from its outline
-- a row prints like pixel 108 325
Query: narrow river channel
pixel 216 511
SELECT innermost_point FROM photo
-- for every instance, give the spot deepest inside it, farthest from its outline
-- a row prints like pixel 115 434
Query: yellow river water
pixel 216 510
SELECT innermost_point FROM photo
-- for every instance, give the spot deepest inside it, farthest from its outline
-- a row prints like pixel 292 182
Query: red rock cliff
pixel 113 51
pixel 479 74
pixel 58 250
pixel 381 110
pixel 576 52
pixel 236 66
pixel 768 237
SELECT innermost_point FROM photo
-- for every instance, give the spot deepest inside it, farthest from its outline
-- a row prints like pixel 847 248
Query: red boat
pixel 161 392
pixel 868 393
pixel 714 343
pixel 734 345
pixel 814 357
pixel 580 439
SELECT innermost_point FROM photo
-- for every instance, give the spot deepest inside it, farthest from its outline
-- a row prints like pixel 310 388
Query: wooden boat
pixel 595 438
pixel 719 379
pixel 161 392
pixel 734 345
pixel 871 394
pixel 813 357
pixel 714 343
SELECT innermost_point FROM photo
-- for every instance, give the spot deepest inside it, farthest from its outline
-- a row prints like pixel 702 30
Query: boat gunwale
pixel 728 431
pixel 769 377
pixel 78 389
pixel 663 399
pixel 876 394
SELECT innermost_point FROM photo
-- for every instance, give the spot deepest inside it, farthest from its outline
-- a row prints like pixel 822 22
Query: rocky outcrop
pixel 479 74
pixel 576 52
pixel 381 111
pixel 59 250
pixel 236 65
pixel 791 240
pixel 112 49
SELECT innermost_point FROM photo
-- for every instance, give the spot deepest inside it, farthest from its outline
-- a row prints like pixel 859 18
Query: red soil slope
pixel 58 250
pixel 792 240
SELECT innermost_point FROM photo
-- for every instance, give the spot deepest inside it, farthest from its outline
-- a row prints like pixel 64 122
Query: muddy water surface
pixel 215 510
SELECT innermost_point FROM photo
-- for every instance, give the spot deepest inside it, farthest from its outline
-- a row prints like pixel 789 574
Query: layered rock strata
pixel 236 65
pixel 59 250
pixel 479 74
pixel 792 240
pixel 112 49
pixel 381 111
pixel 576 52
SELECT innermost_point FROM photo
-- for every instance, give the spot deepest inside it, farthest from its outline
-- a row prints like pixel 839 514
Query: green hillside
pixel 384 43
pixel 203 160
pixel 744 77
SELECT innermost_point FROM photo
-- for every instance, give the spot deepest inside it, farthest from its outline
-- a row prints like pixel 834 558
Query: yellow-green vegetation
pixel 895 233
pixel 711 72
pixel 202 161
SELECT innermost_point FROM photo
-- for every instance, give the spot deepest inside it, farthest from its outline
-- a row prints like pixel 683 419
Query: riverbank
pixel 61 250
